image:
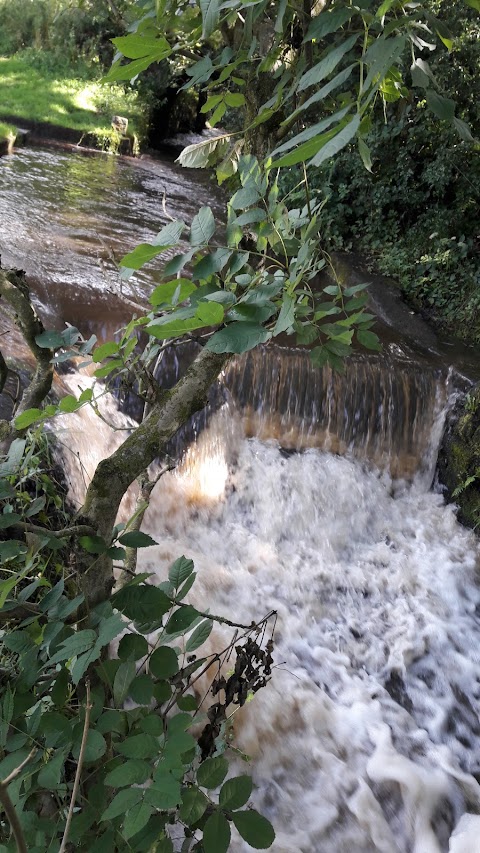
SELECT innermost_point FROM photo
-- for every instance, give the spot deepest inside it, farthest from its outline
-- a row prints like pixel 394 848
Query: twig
pixel 76 783
pixel 73 530
pixel 146 487
pixel 9 808
pixel 224 621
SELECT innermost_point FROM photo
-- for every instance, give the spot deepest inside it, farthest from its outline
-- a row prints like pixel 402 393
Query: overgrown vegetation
pixel 116 733
pixel 415 212
pixel 80 763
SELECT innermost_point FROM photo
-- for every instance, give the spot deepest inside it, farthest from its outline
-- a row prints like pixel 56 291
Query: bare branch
pixel 81 756
pixel 9 808
pixel 141 505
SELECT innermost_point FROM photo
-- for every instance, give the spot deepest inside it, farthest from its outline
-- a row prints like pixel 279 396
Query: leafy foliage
pixel 118 731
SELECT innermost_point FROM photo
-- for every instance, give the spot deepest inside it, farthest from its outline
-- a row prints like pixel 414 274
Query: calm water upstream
pixel 368 737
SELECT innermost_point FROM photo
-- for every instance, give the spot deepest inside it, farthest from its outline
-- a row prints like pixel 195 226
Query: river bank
pixel 66 104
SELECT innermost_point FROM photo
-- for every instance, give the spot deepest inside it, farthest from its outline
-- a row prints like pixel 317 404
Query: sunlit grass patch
pixel 66 101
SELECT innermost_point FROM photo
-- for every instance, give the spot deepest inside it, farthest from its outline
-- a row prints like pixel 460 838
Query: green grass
pixel 61 99
pixel 6 130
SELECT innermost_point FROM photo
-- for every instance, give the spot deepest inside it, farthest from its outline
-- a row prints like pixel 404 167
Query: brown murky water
pixel 68 218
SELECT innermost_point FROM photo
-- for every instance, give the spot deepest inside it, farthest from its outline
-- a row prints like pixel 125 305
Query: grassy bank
pixel 63 97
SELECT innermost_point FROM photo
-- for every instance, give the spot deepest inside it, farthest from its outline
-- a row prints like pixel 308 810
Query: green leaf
pixel 132 772
pixel 93 544
pixel 235 792
pixel 203 227
pixel 136 818
pixel 463 130
pixel 123 801
pixel 152 725
pixel 328 22
pixel 142 689
pixel 254 214
pixel 49 340
pixel 9 551
pixel 380 56
pixel 310 146
pixel 194 804
pixel 49 776
pixel 164 662
pixel 68 404
pixel 135 46
pixel 234 99
pixel 142 603
pixel 245 197
pixel 187 703
pixel 28 418
pixel 421 73
pixel 210 15
pixel 337 143
pixel 133 69
pixel 141 255
pixel 322 93
pixel 139 746
pixel 199 636
pixel 216 834
pixel 444 108
pixel 74 645
pixel 286 318
pixel 110 348
pixel 365 154
pixel 197 156
pixel 179 571
pixel 96 746
pixel 136 539
pixel 132 647
pixel 165 793
pixel 238 338
pixel 212 772
pixel 123 678
pixel 326 65
pixel 255 829
pixel 369 340
pixel 181 619
pixel 181 288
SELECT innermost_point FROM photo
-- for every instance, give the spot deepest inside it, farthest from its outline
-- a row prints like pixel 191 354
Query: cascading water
pixel 367 737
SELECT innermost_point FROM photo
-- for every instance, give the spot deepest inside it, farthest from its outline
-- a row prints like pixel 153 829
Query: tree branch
pixel 15 291
pixel 141 505
pixel 114 475
pixel 9 808
pixel 81 756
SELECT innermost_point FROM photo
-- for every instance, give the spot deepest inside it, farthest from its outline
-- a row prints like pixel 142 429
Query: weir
pixel 310 493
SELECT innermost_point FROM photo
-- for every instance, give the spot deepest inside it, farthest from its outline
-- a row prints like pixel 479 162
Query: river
pixel 367 737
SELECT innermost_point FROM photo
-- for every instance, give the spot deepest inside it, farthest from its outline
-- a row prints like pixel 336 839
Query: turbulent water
pixel 367 738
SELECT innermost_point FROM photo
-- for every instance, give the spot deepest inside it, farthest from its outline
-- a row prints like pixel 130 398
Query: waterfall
pixel 367 738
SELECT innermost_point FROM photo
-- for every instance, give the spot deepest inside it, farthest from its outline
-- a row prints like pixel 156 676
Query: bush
pixel 416 215
pixel 110 752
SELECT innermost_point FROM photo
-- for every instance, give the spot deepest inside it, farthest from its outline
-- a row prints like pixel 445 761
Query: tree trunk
pixel 114 475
